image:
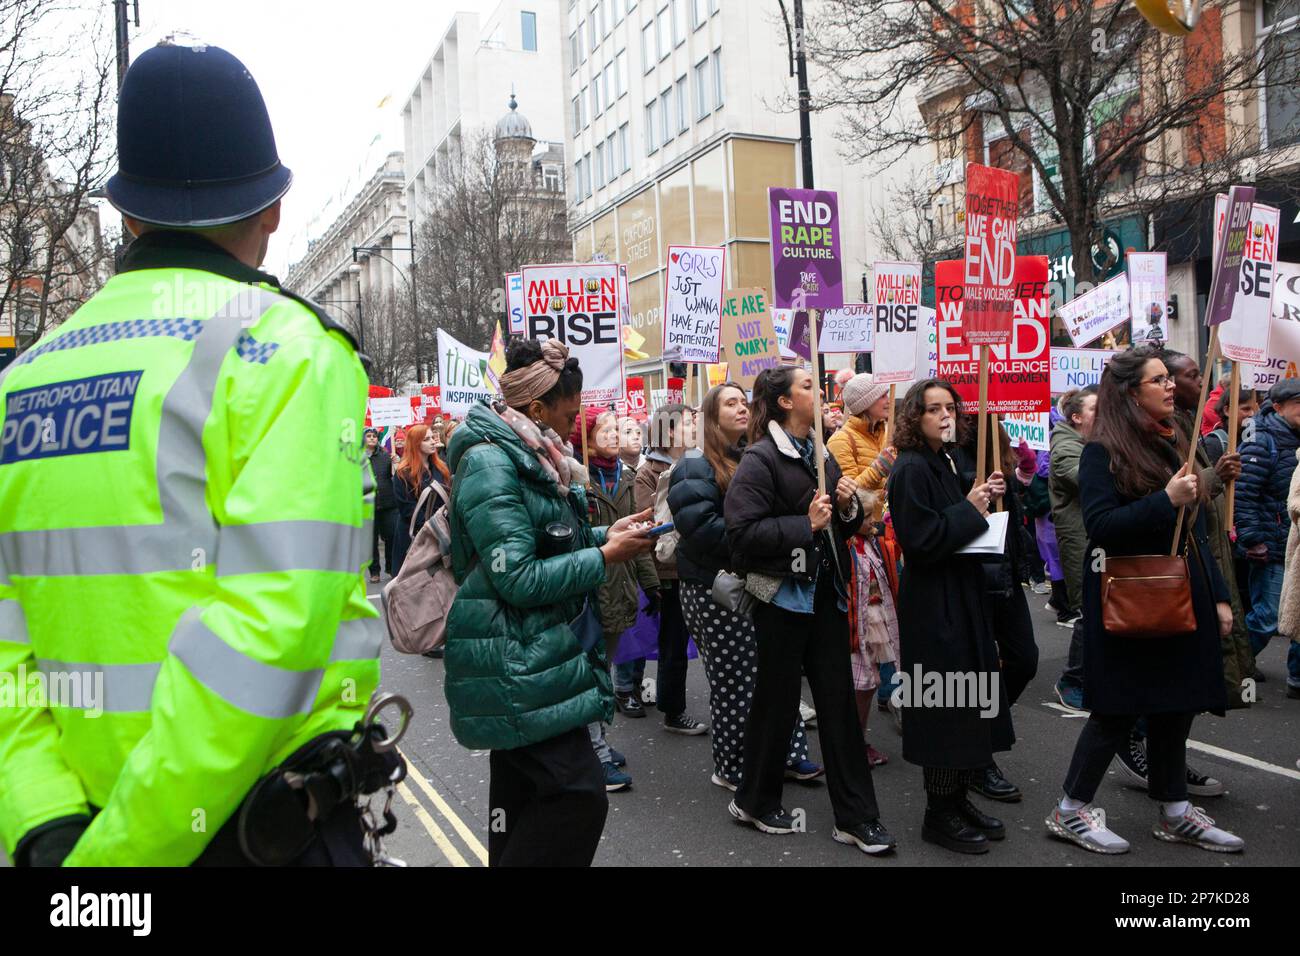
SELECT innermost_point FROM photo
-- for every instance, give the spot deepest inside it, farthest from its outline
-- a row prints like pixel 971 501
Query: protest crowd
pixel 860 591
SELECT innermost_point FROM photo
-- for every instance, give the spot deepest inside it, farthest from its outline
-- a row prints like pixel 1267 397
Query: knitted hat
pixel 861 393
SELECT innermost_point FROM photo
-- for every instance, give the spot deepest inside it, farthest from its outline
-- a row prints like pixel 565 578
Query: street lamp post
pixel 378 252
pixel 799 68
pixel 361 325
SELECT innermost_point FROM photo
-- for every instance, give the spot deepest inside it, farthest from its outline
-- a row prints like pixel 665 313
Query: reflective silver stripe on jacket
pixel 290 546
pixel 13 623
pixel 112 688
pixel 187 536
pixel 260 689
pixel 358 640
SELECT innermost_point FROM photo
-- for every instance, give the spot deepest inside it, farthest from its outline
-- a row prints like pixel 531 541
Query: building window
pixel 606 21
pixel 718 97
pixel 648 46
pixel 699 13
pixel 703 93
pixel 679 22
pixel 610 93
pixel 624 152
pixel 683 105
pixel 620 72
pixel 593 26
pixel 582 105
pixel 600 165
pixel 577 114
pixel 595 96
pixel 586 173
pixel 713 6
pixel 577 181
pixel 551 179
pixel 575 34
pixel 651 140
pixel 663 32
pixel 530 30
pixel 1279 37
pixel 666 114
pixel 611 157
pixel 618 11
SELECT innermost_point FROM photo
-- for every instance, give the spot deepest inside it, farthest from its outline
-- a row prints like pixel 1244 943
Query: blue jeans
pixel 628 675
pixel 1265 594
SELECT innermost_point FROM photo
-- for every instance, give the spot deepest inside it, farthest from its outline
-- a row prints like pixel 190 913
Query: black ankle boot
pixel 1060 601
pixel 991 827
pixel 945 826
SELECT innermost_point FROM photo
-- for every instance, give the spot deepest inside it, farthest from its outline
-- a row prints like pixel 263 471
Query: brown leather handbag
pixel 1147 595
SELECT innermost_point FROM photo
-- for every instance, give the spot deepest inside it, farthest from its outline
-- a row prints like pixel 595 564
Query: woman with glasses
pixel 1133 480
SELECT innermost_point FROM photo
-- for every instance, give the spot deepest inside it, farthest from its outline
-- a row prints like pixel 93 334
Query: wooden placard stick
pixel 819 446
pixel 1211 356
pixel 889 422
pixel 1234 407
pixel 981 419
pixel 995 445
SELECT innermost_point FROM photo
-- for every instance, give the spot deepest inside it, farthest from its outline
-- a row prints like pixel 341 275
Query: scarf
pixel 553 455
pixel 608 472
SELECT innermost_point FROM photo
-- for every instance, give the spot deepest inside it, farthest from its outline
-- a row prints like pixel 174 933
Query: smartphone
pixel 660 530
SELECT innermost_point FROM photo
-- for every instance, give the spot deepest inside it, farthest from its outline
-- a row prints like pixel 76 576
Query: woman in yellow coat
pixel 859 447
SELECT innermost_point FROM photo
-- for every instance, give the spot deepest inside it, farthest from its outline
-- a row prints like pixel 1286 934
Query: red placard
pixel 376 391
pixel 676 389
pixel 1020 372
pixel 992 201
pixel 636 398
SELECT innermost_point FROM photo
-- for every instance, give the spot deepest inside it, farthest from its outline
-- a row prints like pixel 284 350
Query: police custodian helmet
pixel 194 141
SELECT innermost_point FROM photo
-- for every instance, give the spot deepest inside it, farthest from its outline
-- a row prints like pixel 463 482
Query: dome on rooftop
pixel 514 125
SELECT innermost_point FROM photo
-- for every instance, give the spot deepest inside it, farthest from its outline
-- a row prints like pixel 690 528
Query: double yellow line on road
pixel 444 843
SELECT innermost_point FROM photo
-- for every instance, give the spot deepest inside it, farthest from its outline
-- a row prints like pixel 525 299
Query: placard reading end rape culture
pixel 806 268
pixel 989 261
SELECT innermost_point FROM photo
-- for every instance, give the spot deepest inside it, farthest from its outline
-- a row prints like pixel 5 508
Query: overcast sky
pixel 324 68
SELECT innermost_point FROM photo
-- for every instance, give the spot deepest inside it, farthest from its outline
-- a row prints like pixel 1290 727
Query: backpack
pixel 666 546
pixel 416 602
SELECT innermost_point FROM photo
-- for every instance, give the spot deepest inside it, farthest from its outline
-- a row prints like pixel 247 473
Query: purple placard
pixel 806 269
pixel 1227 261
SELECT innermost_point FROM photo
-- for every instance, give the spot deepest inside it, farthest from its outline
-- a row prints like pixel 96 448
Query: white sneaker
pixel 808 714
pixel 1197 828
pixel 1042 587
pixel 1085 828
pixel 720 781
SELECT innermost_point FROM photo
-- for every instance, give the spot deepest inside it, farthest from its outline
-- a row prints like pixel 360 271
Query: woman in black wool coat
pixel 944 619
pixel 1133 479
pixel 1009 618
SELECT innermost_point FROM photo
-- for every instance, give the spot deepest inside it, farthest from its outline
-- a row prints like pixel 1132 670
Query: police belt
pixel 283 813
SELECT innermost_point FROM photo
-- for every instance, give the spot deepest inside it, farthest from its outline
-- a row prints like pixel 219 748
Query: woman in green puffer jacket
pixel 518 683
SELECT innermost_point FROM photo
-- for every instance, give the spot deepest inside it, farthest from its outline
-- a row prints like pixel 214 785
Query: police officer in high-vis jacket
pixel 184 627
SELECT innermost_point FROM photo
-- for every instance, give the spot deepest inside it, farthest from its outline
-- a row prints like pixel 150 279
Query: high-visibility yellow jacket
pixel 183 528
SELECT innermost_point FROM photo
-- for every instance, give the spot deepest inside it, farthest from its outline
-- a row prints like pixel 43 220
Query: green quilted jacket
pixel 515 674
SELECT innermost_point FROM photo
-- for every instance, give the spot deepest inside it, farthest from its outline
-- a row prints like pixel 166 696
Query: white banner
pixel 1244 337
pixel 1148 290
pixel 515 302
pixel 1284 336
pixel 391 412
pixel 782 319
pixel 897 320
pixel 846 330
pixel 578 304
pixel 1031 429
pixel 1077 368
pixel 927 349
pixel 463 374
pixel 693 303
pixel 1095 313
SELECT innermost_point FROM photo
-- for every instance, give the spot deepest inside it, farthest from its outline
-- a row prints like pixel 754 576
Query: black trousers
pixel 547 803
pixel 1072 676
pixel 1013 631
pixel 818 645
pixel 386 528
pixel 1102 735
pixel 670 680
